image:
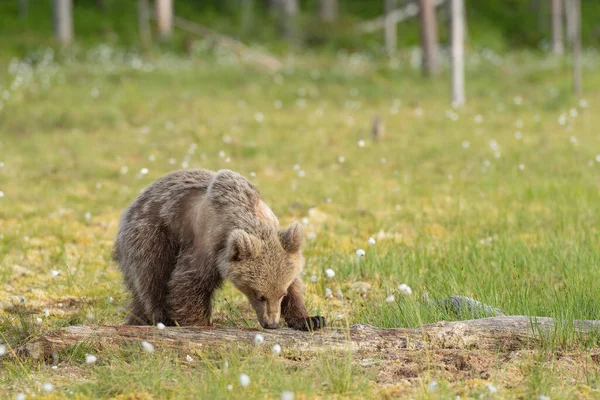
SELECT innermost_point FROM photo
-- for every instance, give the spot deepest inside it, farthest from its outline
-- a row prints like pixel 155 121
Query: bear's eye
pixel 262 298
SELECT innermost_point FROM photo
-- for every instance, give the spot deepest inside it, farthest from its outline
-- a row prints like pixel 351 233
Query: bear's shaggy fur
pixel 190 230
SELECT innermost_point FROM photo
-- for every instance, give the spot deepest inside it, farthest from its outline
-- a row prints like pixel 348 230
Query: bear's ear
pixel 291 238
pixel 242 246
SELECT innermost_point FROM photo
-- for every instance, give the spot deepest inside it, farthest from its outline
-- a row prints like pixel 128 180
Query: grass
pixel 458 202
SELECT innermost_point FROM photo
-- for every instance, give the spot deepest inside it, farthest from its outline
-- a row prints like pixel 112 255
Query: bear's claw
pixel 309 324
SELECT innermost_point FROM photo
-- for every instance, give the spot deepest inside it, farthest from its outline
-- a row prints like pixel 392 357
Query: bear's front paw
pixel 308 324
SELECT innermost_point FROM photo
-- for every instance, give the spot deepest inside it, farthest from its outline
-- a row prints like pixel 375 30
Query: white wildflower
pixel 390 299
pixel 405 289
pixel 144 171
pixel 259 117
pixel 328 293
pixel 147 346
pixel 54 273
pixel 518 135
pixel 276 349
pixel 433 386
pixel 521 167
pixel 466 144
pixel 491 388
pixel 287 395
pixel 90 358
pixel 2 349
pixel 230 387
pixel 314 278
pixel 87 215
pixel 258 339
pixel 372 241
pixel 20 396
pixel 48 387
pixel 160 326
pixel 330 273
pixel 244 380
pixel 341 159
pixel 188 358
pixel 360 253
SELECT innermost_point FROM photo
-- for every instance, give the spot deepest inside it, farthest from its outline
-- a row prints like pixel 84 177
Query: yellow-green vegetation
pixel 497 201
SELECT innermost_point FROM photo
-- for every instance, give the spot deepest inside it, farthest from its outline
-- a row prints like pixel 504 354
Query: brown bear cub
pixel 190 230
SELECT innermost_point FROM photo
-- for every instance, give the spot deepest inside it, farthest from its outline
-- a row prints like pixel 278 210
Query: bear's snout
pixel 270 325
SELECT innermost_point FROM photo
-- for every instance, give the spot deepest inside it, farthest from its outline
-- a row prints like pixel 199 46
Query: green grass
pixel 457 203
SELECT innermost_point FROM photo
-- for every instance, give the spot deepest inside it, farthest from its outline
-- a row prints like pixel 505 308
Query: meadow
pixel 497 200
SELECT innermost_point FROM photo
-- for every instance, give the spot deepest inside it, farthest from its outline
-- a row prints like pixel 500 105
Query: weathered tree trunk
pixel 23 8
pixel 390 32
pixel 144 23
pixel 164 17
pixel 288 12
pixel 557 27
pixel 273 6
pixel 458 51
pixel 328 10
pixel 63 20
pixel 575 6
pixel 246 15
pixel 496 334
pixel 429 39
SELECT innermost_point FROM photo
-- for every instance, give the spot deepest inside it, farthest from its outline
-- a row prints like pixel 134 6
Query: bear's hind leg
pixel 191 288
pixel 147 262
pixel 136 314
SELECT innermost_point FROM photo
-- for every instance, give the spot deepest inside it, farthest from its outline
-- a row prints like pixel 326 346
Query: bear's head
pixel 263 267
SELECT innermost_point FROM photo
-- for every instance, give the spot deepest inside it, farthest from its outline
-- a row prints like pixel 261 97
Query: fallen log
pixel 496 333
pixel 410 10
pixel 245 52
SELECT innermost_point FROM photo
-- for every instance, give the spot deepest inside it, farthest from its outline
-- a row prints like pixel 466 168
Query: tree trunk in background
pixel 246 15
pixel 273 6
pixel 328 10
pixel 288 11
pixel 429 39
pixel 164 17
pixel 390 33
pixel 457 33
pixel 569 14
pixel 575 10
pixel 23 8
pixel 144 23
pixel 557 27
pixel 62 12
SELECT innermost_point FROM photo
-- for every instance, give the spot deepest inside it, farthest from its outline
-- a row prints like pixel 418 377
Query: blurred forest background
pixel 325 24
